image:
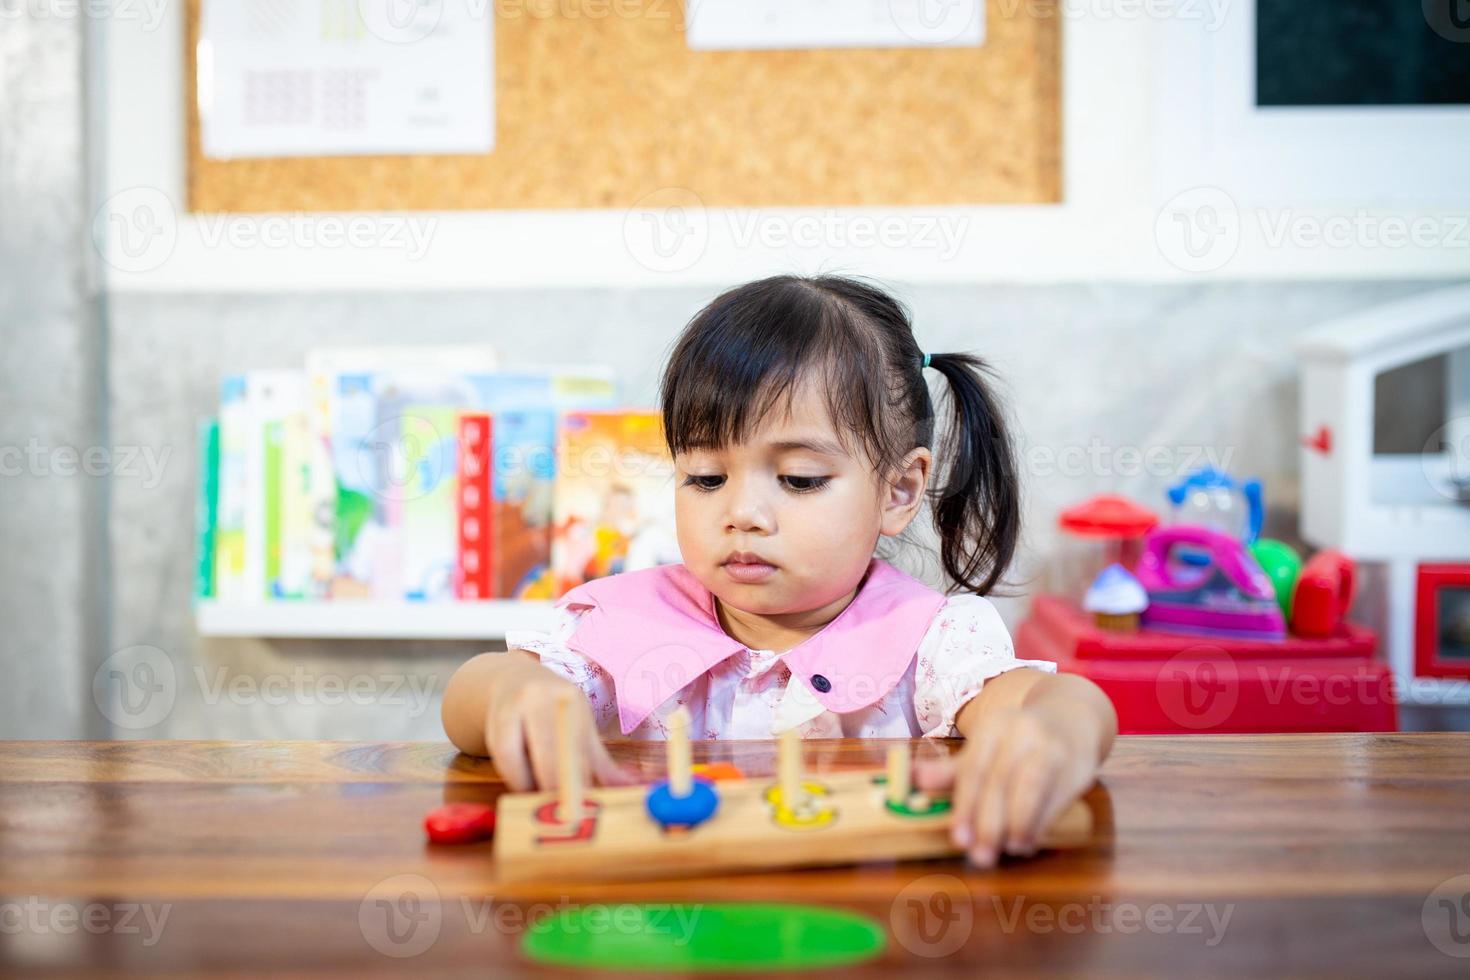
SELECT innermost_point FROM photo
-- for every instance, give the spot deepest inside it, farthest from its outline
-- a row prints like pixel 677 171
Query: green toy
pixel 1282 566
pixel 721 936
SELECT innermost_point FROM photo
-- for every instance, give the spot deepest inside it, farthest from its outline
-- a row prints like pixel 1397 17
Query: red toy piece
pixel 460 823
pixel 1324 593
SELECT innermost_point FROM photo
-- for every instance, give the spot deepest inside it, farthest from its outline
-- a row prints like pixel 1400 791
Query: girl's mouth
pixel 749 572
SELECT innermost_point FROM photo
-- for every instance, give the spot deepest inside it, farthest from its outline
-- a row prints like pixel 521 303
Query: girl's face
pixel 804 512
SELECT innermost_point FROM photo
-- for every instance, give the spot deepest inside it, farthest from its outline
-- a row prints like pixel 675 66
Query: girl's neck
pixel 782 632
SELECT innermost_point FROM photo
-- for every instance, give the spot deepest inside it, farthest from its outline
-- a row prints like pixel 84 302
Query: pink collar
pixel 656 630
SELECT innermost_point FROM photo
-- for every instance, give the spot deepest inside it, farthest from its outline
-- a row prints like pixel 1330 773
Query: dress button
pixel 821 683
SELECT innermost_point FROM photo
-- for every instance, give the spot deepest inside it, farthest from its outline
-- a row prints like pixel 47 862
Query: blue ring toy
pixel 682 811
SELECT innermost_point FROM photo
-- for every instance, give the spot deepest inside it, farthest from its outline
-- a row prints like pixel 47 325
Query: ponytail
pixel 977 510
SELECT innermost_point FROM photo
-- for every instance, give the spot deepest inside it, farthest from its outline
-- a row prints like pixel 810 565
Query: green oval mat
pixel 703 936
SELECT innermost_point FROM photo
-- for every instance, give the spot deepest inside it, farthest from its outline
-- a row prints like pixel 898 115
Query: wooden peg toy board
pixel 600 104
pixel 616 838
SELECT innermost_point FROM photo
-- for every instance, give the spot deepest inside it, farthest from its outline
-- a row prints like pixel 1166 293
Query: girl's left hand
pixel 1016 772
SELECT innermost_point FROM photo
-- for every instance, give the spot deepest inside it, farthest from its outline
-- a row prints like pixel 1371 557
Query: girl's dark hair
pixel 749 347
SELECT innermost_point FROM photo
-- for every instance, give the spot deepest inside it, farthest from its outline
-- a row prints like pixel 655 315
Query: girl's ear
pixel 905 495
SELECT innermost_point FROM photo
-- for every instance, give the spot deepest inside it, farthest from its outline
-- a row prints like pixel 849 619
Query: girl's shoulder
pixel 969 619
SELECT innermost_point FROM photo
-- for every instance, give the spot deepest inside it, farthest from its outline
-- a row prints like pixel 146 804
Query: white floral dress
pixel 751 694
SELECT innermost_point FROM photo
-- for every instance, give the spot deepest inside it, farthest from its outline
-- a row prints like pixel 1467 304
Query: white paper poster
pixel 329 77
pixel 738 24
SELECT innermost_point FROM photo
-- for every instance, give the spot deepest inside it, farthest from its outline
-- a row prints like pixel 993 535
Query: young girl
pixel 800 425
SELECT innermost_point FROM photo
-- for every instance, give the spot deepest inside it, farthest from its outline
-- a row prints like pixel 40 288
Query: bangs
pixel 748 353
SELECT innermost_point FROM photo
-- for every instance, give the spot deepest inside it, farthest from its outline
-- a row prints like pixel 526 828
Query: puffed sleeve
pixel 551 646
pixel 966 645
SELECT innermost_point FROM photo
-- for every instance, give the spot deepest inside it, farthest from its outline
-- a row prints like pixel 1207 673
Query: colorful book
pixel 475 560
pixel 358 397
pixel 206 509
pixel 229 537
pixel 614 496
pixel 428 501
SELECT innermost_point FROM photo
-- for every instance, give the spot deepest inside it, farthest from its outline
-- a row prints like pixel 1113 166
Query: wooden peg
pixel 899 781
pixel 788 769
pixel 569 759
pixel 681 771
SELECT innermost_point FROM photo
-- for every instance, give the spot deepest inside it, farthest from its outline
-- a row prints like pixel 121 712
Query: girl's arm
pixel 504 705
pixel 1033 744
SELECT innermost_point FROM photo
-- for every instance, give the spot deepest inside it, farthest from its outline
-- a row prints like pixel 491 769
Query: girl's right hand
pixel 520 732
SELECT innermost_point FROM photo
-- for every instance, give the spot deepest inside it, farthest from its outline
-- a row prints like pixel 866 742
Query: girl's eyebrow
pixel 823 447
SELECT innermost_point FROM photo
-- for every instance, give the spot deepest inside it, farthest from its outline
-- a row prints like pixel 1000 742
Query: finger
pixel 1029 790
pixel 969 771
pixel 934 775
pixel 604 769
pixel 989 809
pixel 1057 801
pixel 508 751
pixel 541 747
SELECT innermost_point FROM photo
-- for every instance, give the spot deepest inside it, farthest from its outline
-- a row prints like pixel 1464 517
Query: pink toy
pixel 1219 591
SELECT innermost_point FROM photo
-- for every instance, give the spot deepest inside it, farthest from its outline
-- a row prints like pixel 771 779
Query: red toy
pixel 460 823
pixel 1324 594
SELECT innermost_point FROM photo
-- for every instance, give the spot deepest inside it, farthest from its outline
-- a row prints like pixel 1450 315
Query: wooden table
pixel 1325 855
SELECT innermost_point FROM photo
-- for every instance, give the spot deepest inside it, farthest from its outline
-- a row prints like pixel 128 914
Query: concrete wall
pixel 52 564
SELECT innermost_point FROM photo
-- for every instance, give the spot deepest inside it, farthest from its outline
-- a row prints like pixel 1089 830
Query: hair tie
pixel 926 360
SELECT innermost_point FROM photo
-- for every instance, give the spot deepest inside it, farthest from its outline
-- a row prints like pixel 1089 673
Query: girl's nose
pixel 749 510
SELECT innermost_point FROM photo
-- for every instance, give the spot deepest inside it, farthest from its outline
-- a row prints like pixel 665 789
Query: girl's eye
pixel 806 484
pixel 703 484
pixel 796 484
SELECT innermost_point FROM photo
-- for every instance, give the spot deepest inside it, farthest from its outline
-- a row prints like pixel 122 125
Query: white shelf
pixel 362 620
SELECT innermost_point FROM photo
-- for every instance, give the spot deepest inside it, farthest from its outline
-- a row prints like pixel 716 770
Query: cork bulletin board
pixel 597 108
